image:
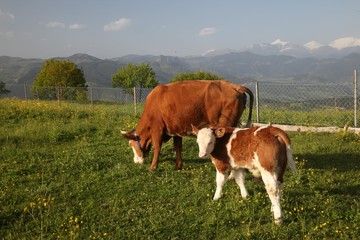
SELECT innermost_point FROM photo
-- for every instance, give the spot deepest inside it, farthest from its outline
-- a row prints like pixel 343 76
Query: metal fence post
pixel 257 102
pixel 355 98
pixel 25 91
pixel 135 100
pixel 91 96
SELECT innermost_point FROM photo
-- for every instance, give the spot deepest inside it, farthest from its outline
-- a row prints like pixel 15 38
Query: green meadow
pixel 67 173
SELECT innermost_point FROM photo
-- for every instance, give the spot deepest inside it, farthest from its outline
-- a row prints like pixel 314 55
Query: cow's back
pixel 200 102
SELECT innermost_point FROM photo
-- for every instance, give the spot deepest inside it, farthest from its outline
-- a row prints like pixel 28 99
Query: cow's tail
pixel 285 138
pixel 251 102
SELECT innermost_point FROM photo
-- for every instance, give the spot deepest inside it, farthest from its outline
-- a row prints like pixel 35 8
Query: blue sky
pixel 114 28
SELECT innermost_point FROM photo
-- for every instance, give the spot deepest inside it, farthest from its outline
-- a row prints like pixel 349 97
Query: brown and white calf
pixel 264 151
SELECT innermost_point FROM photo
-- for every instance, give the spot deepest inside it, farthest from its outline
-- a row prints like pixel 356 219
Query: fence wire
pixel 278 103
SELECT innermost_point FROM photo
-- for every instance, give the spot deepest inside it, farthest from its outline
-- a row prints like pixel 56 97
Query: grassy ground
pixel 67 173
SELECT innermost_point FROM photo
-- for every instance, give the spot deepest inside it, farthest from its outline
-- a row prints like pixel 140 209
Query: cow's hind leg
pixel 273 191
pixel 220 181
pixel 178 150
pixel 239 175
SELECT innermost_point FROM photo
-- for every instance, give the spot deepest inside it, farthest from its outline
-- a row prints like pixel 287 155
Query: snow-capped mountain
pixel 277 47
pixel 215 52
pixel 313 45
pixel 337 48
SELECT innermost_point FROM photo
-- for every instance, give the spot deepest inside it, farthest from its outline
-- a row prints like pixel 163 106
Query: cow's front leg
pixel 220 181
pixel 157 148
pixel 178 150
pixel 155 159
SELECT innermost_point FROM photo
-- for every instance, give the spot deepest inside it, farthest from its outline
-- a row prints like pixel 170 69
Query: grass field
pixel 66 173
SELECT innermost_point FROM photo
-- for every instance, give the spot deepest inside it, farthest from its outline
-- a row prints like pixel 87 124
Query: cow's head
pixel 206 139
pixel 139 145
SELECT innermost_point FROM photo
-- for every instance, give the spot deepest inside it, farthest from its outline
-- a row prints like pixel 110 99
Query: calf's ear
pixel 219 132
pixel 195 130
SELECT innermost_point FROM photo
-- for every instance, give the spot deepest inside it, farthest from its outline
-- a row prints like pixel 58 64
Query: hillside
pixel 234 66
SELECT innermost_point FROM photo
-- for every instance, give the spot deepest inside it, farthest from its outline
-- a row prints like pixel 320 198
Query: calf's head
pixel 140 146
pixel 206 139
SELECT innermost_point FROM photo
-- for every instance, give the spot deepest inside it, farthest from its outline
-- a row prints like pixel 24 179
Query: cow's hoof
pixel 152 169
pixel 178 167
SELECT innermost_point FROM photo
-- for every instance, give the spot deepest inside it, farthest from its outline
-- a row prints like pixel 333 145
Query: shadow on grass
pixel 341 162
pixel 194 162
pixel 351 190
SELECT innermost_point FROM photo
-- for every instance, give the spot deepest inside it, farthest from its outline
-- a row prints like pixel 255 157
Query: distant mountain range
pixel 277 61
pixel 337 48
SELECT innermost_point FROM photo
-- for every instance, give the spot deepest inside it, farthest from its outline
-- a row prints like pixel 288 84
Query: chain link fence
pixel 306 104
pixel 278 103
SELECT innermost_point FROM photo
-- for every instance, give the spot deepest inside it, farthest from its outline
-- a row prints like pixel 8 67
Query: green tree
pixel 60 79
pixel 199 75
pixel 3 90
pixel 132 75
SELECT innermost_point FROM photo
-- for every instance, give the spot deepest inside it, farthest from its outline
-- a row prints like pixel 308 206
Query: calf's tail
pixel 285 138
pixel 290 159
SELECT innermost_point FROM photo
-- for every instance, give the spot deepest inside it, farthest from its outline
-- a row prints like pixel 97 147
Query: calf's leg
pixel 220 181
pixel 239 175
pixel 273 191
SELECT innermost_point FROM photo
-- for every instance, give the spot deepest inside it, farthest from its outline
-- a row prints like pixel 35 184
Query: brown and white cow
pixel 170 109
pixel 264 151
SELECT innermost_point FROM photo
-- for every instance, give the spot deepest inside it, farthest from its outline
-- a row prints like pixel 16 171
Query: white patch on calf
pixel 220 181
pixel 272 188
pixel 228 148
pixel 239 175
pixel 206 141
pixel 259 129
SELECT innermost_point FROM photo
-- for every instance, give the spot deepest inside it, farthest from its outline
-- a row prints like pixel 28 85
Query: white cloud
pixel 76 26
pixel 207 31
pixel 55 24
pixel 345 42
pixel 6 15
pixel 117 25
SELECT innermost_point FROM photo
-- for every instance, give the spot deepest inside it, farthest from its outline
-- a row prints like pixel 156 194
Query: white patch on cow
pixel 206 141
pixel 259 129
pixel 137 158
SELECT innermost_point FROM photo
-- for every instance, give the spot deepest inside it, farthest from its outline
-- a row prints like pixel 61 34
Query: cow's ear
pixel 219 132
pixel 195 130
pixel 129 135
